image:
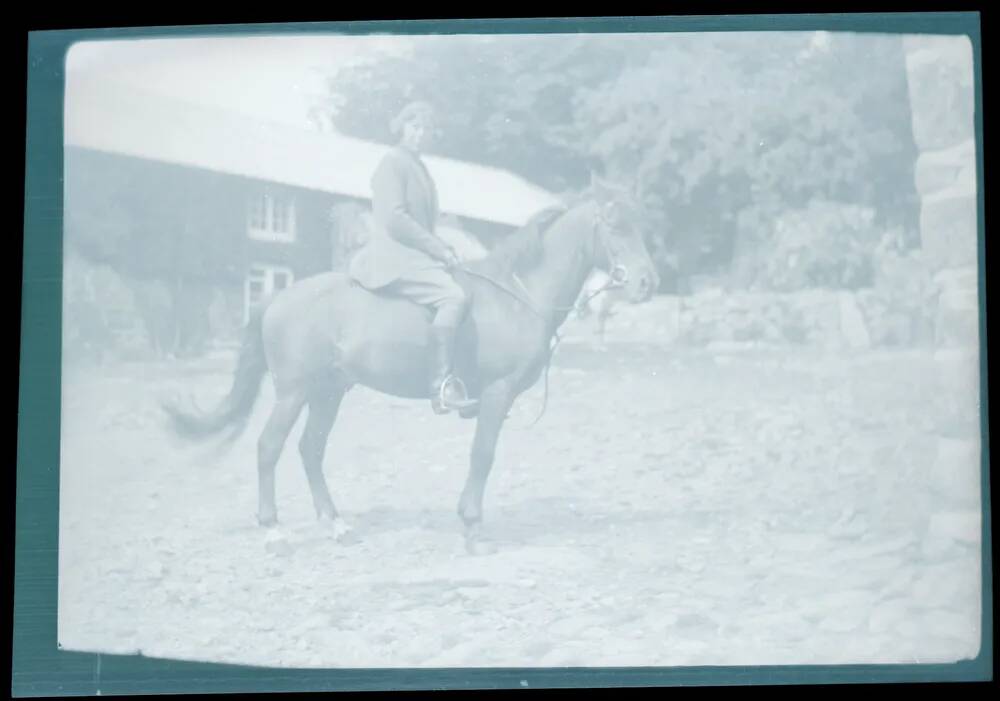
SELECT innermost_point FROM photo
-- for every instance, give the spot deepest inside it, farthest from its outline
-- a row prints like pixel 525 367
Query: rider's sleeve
pixel 389 205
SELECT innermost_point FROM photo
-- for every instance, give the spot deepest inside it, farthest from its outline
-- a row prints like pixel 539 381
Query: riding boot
pixel 447 391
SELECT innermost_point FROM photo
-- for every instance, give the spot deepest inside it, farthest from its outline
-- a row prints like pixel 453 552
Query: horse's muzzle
pixel 619 275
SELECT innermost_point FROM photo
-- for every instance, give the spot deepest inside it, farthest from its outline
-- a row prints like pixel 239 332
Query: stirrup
pixel 445 405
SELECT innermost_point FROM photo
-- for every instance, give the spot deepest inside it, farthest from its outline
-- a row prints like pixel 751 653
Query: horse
pixel 325 334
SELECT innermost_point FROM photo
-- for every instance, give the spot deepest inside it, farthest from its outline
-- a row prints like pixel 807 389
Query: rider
pixel 406 258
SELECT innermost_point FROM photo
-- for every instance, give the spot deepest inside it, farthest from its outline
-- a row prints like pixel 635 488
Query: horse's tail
pixel 234 411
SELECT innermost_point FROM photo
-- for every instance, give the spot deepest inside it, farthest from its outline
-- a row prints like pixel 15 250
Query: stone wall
pixel 836 320
pixel 940 76
pixel 715 317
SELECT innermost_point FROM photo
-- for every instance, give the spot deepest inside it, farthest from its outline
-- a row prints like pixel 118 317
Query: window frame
pixel 267 271
pixel 266 205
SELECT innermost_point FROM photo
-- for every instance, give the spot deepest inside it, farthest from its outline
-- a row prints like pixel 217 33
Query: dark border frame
pixel 40 669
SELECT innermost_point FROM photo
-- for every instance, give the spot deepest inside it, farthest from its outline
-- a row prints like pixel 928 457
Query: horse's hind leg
pixel 286 411
pixel 324 404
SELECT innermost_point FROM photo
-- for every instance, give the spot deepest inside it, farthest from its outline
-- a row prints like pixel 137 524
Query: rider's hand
pixel 451 258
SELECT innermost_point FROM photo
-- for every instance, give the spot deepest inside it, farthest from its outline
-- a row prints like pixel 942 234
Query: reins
pixel 617 278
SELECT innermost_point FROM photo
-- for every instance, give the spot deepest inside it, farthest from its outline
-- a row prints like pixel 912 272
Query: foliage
pixel 822 245
pixel 703 126
pixel 166 240
pixel 99 310
pixel 899 307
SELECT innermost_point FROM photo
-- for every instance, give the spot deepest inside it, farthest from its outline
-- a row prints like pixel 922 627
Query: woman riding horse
pixel 404 258
pixel 327 333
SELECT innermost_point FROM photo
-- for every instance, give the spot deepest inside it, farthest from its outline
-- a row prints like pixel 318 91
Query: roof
pixel 110 117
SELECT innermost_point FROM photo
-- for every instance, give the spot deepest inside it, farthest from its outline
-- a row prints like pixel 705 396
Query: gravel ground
pixel 671 508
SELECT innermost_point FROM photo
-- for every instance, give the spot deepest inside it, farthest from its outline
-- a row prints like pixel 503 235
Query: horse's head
pixel 620 247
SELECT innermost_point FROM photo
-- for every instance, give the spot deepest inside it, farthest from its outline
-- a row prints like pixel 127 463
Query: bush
pixel 899 309
pixel 100 312
pixel 825 245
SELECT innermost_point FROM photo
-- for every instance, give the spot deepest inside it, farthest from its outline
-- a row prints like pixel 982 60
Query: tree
pixel 717 133
pixel 161 230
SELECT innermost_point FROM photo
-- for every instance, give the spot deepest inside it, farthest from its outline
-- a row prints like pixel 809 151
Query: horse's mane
pixel 522 250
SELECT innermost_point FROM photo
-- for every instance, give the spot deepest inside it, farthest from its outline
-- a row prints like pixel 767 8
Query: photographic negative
pixel 521 350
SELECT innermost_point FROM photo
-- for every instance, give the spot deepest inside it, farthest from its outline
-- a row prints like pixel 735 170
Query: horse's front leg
pixel 494 403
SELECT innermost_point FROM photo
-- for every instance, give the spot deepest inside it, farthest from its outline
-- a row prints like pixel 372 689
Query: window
pixel 262 281
pixel 271 218
pixel 258 214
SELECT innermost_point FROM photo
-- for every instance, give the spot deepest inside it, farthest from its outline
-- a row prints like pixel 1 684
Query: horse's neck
pixel 567 260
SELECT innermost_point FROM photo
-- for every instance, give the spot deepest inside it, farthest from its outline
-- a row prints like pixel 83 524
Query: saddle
pixel 464 361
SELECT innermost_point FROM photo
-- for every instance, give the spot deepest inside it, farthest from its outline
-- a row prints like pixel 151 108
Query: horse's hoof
pixel 348 539
pixel 276 543
pixel 342 533
pixel 479 547
pixel 476 543
pixel 267 521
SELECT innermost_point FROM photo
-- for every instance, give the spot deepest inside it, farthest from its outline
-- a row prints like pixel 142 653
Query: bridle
pixel 618 276
pixel 617 271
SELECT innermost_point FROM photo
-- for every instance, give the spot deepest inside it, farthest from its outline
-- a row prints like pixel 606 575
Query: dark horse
pixel 324 334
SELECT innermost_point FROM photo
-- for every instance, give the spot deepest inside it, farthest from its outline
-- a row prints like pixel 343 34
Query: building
pixel 207 205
